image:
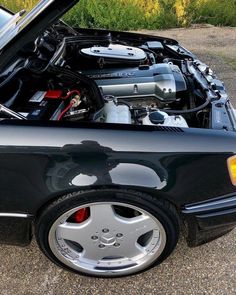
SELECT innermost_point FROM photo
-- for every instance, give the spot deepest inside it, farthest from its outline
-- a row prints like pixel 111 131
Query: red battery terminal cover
pixel 53 94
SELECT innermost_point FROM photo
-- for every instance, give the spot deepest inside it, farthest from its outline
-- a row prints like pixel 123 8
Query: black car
pixel 110 143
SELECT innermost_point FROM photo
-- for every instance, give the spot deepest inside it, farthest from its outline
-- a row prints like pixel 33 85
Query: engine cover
pixel 163 82
pixel 115 54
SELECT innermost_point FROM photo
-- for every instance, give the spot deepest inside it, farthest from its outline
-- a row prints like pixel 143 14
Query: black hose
pixel 11 101
pixel 121 101
pixel 190 111
pixel 10 77
pixel 140 115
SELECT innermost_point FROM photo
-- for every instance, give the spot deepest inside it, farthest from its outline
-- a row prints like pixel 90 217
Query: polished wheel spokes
pixel 114 237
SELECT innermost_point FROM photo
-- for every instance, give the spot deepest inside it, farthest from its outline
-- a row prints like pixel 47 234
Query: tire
pixel 107 233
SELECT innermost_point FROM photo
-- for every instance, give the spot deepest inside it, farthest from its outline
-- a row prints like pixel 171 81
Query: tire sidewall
pixel 153 206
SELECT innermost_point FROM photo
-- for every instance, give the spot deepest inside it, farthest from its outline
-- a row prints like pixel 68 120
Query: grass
pixel 143 14
pixel 229 60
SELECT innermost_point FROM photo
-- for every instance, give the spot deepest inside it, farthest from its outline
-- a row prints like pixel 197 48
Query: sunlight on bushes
pixel 138 14
pixel 16 5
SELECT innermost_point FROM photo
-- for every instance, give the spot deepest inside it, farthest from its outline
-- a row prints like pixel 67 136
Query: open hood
pixel 45 13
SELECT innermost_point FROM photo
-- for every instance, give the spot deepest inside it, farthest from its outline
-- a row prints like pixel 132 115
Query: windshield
pixel 5 16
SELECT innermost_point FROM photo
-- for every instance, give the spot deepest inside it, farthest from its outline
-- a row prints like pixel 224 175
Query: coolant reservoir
pixel 176 121
pixel 159 118
pixel 119 114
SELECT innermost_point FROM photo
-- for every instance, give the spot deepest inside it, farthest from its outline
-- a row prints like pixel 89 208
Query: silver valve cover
pixel 163 82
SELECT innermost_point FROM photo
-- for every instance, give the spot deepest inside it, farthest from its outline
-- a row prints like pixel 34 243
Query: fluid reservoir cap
pixel 157 118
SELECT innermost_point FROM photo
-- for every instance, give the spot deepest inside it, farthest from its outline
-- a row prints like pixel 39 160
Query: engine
pixel 139 84
pixel 104 79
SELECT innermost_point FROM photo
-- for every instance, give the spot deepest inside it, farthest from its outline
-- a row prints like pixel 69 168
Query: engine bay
pixel 104 77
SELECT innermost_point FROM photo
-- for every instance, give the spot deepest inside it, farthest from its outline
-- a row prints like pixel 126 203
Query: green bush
pixel 105 14
pixel 143 14
pixel 218 12
pixel 16 5
pixel 124 14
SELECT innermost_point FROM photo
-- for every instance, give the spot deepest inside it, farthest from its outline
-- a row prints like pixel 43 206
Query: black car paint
pixel 40 162
pixel 211 219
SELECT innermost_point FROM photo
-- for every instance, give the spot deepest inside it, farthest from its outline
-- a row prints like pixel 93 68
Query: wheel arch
pixel 165 199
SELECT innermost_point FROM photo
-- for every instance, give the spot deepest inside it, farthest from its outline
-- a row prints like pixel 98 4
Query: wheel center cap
pixel 107 239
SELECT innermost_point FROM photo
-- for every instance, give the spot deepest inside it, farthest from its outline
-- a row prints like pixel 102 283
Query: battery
pixel 40 107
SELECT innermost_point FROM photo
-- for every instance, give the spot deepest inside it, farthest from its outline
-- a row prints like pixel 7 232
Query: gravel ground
pixel 209 269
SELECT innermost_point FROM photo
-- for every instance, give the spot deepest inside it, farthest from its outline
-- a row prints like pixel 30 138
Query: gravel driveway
pixel 209 269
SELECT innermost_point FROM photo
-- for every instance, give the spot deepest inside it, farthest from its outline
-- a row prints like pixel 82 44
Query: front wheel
pixel 108 232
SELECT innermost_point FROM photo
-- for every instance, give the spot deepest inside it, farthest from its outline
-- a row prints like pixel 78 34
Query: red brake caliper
pixel 81 215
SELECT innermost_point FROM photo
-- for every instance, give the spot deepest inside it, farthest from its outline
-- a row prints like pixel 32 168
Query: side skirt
pixel 15 229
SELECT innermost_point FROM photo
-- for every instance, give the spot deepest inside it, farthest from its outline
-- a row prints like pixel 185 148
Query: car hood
pixel 45 13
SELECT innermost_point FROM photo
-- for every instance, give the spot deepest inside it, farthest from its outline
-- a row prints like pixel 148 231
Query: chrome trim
pixel 7 111
pixel 223 203
pixel 17 215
